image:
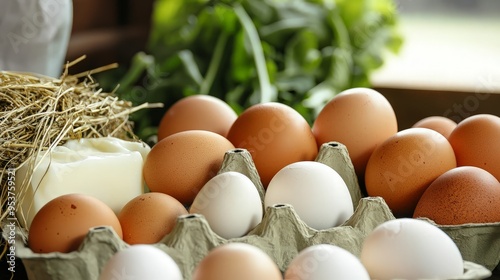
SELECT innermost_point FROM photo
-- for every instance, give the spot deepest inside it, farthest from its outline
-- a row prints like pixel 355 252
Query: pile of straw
pixel 37 113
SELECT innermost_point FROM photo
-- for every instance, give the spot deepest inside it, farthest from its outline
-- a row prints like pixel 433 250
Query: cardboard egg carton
pixel 281 234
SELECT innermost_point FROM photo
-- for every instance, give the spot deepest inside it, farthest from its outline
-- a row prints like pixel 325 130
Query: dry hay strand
pixel 38 113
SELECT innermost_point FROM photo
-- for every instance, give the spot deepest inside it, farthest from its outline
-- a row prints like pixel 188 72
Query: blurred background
pixel 450 59
pixel 108 31
pixel 451 52
pixel 449 44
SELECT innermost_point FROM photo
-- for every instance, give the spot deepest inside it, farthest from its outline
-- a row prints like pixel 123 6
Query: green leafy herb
pixel 298 52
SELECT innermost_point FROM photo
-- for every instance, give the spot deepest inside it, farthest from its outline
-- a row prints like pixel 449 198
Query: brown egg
pixel 180 164
pixel 476 143
pixel 237 261
pixel 402 167
pixel 147 218
pixel 62 224
pixel 275 135
pixel 359 118
pixel 440 124
pixel 197 112
pixel 462 195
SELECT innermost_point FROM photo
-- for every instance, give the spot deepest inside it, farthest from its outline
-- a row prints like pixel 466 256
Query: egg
pixel 230 203
pixel 147 218
pixel 235 260
pixel 180 164
pixel 410 249
pixel 359 118
pixel 440 124
pixel 62 224
pixel 197 112
pixel 402 167
pixel 475 142
pixel 317 193
pixel 462 195
pixel 325 262
pixel 141 261
pixel 275 135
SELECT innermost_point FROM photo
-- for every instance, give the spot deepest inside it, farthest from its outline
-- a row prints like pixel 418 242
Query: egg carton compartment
pixel 281 233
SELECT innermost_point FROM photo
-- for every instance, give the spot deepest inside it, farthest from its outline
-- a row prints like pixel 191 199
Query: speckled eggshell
pixel 62 224
pixel 147 218
pixel 440 124
pixel 465 194
pixel 476 142
pixel 402 167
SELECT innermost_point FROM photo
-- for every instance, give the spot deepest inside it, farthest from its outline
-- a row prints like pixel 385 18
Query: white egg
pixel 142 261
pixel 230 203
pixel 325 262
pixel 316 191
pixel 410 249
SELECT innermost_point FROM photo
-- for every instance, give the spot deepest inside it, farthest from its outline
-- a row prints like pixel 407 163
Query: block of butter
pixel 107 168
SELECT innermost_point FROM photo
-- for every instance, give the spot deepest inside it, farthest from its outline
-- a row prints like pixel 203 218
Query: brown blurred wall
pixel 108 31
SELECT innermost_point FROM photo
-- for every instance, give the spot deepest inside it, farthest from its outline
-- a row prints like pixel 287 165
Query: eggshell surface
pixel 143 262
pixel 147 218
pixel 465 194
pixel 317 193
pixel 197 112
pixel 359 118
pixel 410 249
pixel 63 222
pixel 237 261
pixel 325 262
pixel 230 203
pixel 180 164
pixel 275 135
pixel 440 124
pixel 402 167
pixel 476 143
